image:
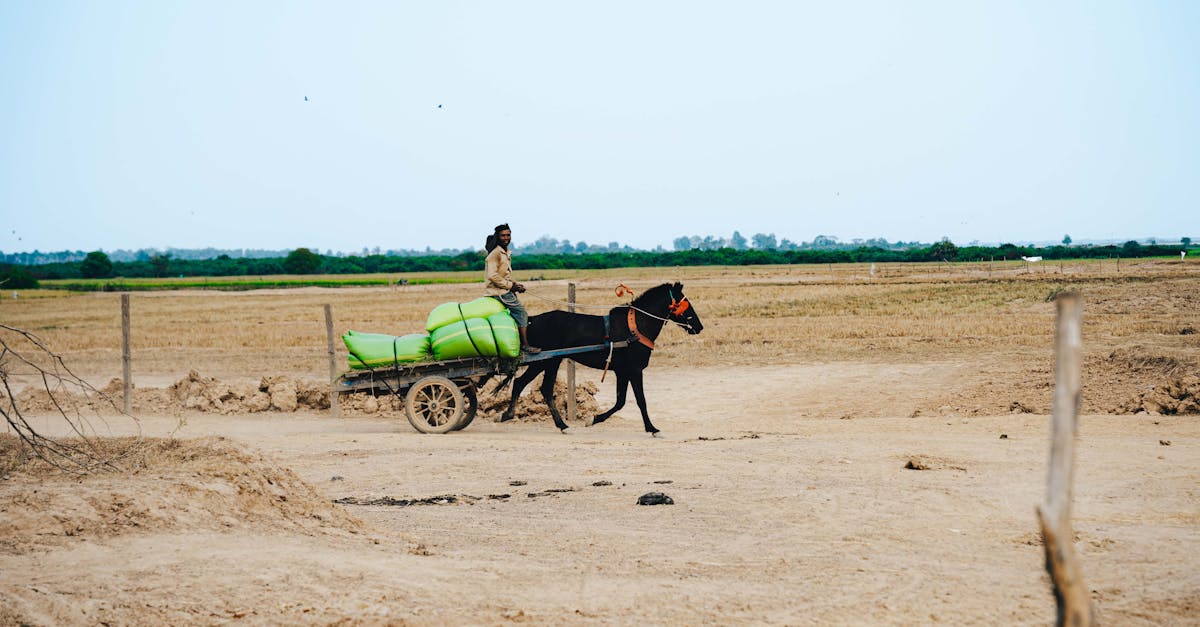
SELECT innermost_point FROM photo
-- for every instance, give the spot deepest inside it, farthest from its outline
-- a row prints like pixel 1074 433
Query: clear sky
pixel 339 125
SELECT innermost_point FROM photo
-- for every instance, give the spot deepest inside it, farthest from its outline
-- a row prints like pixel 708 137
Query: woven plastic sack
pixel 493 336
pixel 447 313
pixel 377 349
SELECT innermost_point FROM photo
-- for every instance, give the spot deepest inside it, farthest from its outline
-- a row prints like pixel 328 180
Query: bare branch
pixel 75 400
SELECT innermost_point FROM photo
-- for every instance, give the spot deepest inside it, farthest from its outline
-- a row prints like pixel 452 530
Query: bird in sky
pixel 306 99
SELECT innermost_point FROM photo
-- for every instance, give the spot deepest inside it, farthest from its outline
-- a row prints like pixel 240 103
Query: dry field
pixel 789 422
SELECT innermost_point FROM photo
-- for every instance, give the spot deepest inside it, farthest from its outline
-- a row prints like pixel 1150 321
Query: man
pixel 499 283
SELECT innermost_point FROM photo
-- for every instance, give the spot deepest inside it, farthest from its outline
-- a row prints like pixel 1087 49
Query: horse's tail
pixel 503 384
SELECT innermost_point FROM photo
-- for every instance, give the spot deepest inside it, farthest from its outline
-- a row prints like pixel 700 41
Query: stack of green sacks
pixel 376 350
pixel 482 327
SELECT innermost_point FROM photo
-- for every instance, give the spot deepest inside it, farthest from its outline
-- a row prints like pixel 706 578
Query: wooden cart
pixel 443 396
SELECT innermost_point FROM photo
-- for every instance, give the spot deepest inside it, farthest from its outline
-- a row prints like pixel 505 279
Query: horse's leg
pixel 622 387
pixel 639 394
pixel 551 374
pixel 531 373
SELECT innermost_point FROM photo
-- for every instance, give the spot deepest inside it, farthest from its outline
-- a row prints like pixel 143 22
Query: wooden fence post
pixel 126 373
pixel 571 406
pixel 1070 594
pixel 333 371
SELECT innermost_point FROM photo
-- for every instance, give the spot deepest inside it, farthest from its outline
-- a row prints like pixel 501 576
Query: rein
pixel 677 307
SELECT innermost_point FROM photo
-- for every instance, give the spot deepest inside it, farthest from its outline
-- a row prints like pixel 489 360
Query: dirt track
pixel 783 514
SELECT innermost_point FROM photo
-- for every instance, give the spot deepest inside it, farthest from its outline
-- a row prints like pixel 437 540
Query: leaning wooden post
pixel 125 356
pixel 333 372
pixel 571 407
pixel 1070 594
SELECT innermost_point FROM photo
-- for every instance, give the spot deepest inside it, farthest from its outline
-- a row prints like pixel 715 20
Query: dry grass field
pixel 789 422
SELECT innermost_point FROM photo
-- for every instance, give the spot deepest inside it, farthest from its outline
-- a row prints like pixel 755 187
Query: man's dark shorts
pixel 515 308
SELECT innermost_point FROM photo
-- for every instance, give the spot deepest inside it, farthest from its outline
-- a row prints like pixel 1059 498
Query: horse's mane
pixel 654 292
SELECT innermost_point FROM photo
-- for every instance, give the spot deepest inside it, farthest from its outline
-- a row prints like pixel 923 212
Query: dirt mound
pixel 1180 396
pixel 196 392
pixel 1132 380
pixel 273 393
pixel 532 405
pixel 164 484
pixel 193 392
pixel 1122 381
pixel 1137 360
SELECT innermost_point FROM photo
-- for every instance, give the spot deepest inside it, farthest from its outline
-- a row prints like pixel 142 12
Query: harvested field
pixel 840 447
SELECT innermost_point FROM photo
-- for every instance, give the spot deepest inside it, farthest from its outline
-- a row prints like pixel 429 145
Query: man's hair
pixel 493 240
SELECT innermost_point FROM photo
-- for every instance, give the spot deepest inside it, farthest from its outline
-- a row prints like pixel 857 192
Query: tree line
pixel 302 261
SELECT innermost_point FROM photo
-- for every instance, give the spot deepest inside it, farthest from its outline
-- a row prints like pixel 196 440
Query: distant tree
pixel 1131 248
pixel 16 278
pixel 302 261
pixel 1186 241
pixel 944 250
pixel 824 241
pixel 96 265
pixel 682 243
pixel 1066 240
pixel 162 264
pixel 765 241
pixel 737 241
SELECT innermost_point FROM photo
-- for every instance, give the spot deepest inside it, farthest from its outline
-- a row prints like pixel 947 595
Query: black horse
pixel 639 324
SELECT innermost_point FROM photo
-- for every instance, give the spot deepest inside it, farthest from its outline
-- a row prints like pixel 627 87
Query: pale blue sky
pixel 129 124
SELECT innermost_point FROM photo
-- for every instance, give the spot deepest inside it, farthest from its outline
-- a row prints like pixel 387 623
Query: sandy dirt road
pixel 792 506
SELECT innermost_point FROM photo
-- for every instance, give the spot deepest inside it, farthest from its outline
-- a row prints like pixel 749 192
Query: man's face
pixel 504 237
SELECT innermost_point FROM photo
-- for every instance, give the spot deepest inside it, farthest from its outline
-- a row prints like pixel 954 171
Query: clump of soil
pixel 1179 396
pixel 196 392
pixel 1133 380
pixel 273 393
pixel 162 484
pixel 531 406
pixel 193 392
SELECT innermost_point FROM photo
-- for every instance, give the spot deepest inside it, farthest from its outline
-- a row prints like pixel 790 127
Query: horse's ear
pixel 678 287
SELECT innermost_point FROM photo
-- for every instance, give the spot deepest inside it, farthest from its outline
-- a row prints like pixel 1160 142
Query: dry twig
pixel 75 400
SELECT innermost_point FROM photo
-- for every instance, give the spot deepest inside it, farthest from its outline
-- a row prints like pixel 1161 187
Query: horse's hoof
pixel 566 430
pixel 654 434
pixel 505 418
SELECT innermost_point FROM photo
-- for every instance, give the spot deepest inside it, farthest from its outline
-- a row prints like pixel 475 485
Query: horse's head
pixel 681 311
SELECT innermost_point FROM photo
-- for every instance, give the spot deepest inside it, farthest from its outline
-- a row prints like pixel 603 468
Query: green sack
pixel 378 349
pixel 493 336
pixel 447 313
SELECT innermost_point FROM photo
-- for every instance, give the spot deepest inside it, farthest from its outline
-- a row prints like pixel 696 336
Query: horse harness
pixel 676 308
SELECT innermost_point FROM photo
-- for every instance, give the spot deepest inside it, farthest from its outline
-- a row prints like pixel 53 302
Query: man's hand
pixel 517 287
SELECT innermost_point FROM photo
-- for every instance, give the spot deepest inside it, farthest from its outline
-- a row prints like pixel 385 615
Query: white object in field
pixel 1032 259
pixel 1182 254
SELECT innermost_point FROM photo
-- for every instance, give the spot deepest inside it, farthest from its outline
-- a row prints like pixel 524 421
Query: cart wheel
pixel 471 401
pixel 434 405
